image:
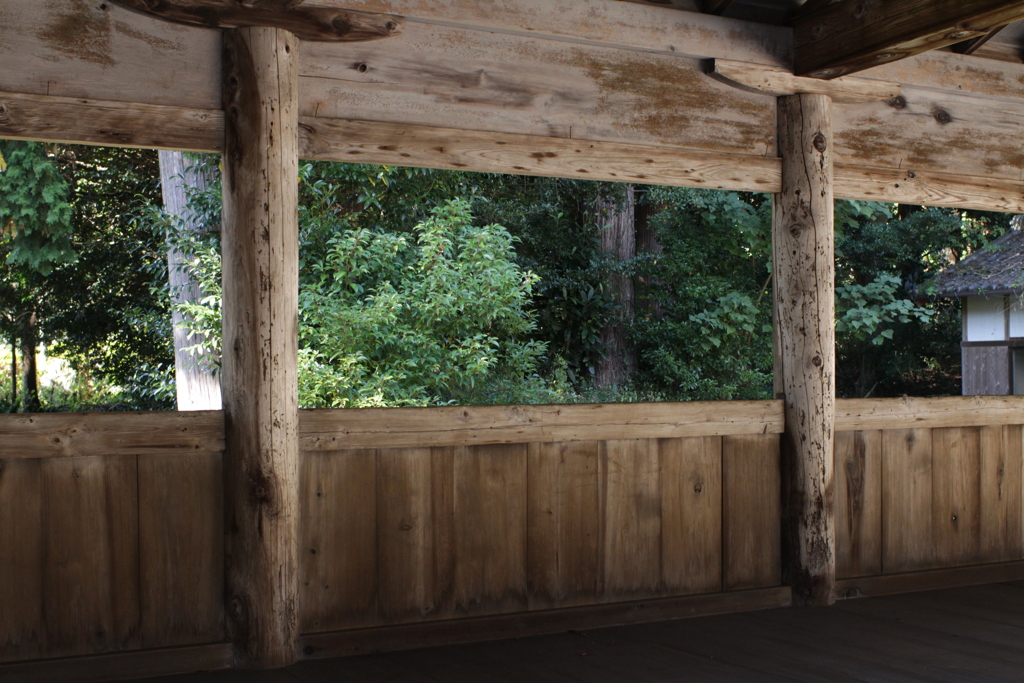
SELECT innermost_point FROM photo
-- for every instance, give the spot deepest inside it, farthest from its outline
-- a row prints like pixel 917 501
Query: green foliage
pixel 869 311
pixel 35 215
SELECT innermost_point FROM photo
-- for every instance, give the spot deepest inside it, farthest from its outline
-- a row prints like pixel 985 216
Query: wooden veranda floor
pixel 964 634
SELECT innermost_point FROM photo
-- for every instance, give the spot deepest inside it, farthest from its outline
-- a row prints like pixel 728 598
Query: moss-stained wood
pixel 837 37
pixel 804 244
pixel 777 81
pixel 305 21
pixel 260 248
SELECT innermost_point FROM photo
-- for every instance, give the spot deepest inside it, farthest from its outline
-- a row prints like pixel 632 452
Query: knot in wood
pixel 816 361
pixel 911 175
pixel 698 488
pixel 796 230
pixel 391 26
pixel 3 112
pixel 260 492
pixel 820 143
pixel 341 25
pixel 898 102
pixel 942 116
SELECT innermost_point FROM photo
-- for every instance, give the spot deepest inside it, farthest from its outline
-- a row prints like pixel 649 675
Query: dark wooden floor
pixel 964 634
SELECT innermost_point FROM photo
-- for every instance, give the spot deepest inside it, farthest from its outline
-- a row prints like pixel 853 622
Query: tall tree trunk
pixel 647 303
pixel 14 370
pixel 618 239
pixel 29 371
pixel 197 387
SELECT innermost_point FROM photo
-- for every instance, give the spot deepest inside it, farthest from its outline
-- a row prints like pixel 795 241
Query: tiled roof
pixel 996 269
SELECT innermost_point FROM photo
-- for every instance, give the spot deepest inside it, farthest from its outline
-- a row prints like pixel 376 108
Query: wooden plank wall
pixel 110 533
pixel 927 484
pixel 474 525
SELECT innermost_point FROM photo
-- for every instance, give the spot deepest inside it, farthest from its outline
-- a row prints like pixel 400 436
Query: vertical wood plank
pixel 338 558
pixel 413 564
pixel 956 495
pixel 803 238
pixel 490 529
pixel 91 566
pixel 181 549
pixel 563 529
pixel 1001 491
pixel 631 488
pixel 21 560
pixel 751 534
pixel 906 500
pixel 858 504
pixel 260 363
pixel 691 514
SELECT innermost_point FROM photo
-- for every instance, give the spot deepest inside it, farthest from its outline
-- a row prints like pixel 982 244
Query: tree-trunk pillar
pixel 260 345
pixel 804 247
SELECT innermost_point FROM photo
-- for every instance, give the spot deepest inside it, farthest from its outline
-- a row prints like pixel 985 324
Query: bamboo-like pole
pixel 804 247
pixel 260 343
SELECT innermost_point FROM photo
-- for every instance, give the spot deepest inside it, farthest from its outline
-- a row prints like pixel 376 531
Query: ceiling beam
pixel 714 6
pixel 837 37
pixel 308 23
pixel 969 47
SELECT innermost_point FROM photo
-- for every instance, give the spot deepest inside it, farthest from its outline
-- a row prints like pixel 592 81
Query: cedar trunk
pixel 618 239
pixel 196 384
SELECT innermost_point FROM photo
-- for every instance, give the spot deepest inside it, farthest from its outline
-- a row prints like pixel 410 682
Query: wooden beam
pixel 803 243
pixel 715 6
pixel 837 37
pixel 435 633
pixel 69 120
pixel 777 82
pixel 306 22
pixel 969 47
pixel 936 579
pixel 861 414
pixel 260 256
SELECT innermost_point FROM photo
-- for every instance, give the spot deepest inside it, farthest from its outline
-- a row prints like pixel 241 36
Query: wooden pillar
pixel 804 247
pixel 260 346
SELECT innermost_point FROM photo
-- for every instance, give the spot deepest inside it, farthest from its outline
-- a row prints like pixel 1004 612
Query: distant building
pixel 990 283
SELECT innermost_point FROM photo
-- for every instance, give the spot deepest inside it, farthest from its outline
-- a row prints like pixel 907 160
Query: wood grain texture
pixel 777 82
pixel 751 512
pixel 480 425
pixel 260 385
pixel 490 529
pixel 691 514
pixel 181 550
pixel 90 572
pixel 631 494
pixel 563 524
pixel 89 434
pixel 55 119
pixel 913 582
pixel 307 22
pixel 927 413
pixel 907 508
pixel 858 504
pixel 22 557
pixel 611 22
pixel 839 37
pixel 804 245
pixel 338 555
pixel 451 77
pixel 956 496
pixel 1001 492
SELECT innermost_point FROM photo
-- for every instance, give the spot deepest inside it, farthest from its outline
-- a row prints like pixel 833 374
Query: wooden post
pixel 803 238
pixel 260 345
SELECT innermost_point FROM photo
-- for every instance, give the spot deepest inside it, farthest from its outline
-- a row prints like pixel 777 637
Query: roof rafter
pixel 837 37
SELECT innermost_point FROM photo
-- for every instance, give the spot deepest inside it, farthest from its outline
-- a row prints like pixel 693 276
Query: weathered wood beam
pixel 969 47
pixel 306 22
pixel 837 37
pixel 804 247
pixel 715 6
pixel 68 120
pixel 260 342
pixel 777 82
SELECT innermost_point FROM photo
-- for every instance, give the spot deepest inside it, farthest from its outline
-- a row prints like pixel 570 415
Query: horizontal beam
pixel 936 579
pixel 56 119
pixel 447 632
pixel 777 82
pixel 928 413
pixel 305 21
pixel 121 665
pixel 838 37
pixel 66 435
pixel 331 430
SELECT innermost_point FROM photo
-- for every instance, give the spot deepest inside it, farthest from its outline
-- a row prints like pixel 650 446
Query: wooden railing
pixel 422 525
